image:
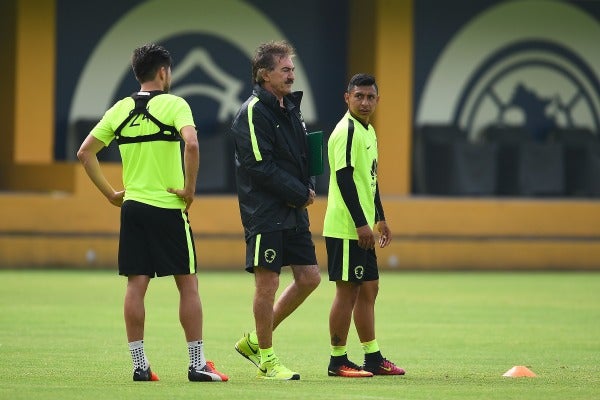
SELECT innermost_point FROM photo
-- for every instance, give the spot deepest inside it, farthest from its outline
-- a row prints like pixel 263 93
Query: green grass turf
pixel 62 337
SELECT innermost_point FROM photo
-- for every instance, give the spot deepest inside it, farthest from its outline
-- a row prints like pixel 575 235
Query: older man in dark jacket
pixel 274 190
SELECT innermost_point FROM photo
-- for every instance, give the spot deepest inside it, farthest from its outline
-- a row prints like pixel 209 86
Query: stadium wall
pixel 51 215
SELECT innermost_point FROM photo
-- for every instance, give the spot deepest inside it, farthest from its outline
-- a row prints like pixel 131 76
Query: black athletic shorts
pixel 155 241
pixel 274 250
pixel 348 262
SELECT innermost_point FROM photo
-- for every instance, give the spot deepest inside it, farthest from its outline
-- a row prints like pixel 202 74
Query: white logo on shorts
pixel 270 255
pixel 359 271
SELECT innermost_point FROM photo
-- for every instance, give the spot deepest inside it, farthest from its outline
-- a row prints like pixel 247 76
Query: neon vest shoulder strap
pixel 166 132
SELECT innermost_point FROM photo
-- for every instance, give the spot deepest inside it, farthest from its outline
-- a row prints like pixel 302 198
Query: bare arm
pixel 87 154
pixel 191 162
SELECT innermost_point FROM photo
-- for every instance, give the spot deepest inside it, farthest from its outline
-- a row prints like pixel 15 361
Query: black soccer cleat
pixel 208 373
pixel 144 375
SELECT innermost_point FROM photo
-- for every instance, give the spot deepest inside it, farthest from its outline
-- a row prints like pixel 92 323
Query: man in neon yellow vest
pixel 156 237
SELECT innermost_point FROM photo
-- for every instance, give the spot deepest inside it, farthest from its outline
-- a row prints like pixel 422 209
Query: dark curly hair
pixel 266 55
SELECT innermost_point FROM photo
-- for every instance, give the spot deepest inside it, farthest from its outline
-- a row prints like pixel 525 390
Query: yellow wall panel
pixel 34 86
pixel 393 117
pixel 8 23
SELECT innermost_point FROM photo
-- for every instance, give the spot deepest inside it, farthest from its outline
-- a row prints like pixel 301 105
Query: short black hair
pixel 148 59
pixel 362 80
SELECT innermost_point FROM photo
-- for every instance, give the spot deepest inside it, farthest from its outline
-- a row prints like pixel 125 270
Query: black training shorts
pixel 155 241
pixel 274 250
pixel 348 262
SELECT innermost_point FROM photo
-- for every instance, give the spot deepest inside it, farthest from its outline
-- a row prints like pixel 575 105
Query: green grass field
pixel 62 337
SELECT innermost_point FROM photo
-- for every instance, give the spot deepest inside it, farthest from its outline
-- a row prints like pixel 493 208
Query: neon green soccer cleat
pixel 248 349
pixel 273 369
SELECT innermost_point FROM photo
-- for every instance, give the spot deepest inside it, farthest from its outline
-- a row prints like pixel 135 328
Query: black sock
pixel 336 361
pixel 373 358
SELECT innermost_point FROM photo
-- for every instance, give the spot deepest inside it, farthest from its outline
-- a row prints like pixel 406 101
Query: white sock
pixel 137 355
pixel 196 354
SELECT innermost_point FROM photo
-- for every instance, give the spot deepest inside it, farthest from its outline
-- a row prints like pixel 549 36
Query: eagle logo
pixel 359 271
pixel 270 255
